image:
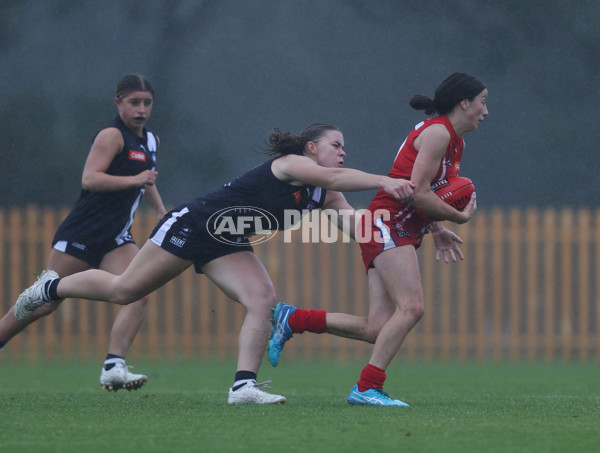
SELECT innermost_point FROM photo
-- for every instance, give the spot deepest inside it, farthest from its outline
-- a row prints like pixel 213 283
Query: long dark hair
pixel 284 143
pixel 455 88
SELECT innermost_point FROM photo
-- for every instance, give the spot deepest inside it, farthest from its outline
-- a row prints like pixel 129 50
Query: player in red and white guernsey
pixel 390 233
pixel 402 224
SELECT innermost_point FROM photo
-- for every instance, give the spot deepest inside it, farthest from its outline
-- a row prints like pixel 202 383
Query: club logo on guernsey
pixel 236 224
pixel 297 196
pixel 137 155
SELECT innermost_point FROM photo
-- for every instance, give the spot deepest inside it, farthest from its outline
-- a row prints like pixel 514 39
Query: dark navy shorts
pixel 179 234
pixel 91 254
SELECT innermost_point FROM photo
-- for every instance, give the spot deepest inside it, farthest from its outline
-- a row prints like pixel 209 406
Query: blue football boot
pixel 280 332
pixel 372 397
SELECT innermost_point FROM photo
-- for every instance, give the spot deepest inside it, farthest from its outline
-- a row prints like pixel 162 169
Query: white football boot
pixel 119 377
pixel 31 299
pixel 252 394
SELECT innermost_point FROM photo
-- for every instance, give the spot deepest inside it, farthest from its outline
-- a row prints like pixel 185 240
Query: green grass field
pixel 455 407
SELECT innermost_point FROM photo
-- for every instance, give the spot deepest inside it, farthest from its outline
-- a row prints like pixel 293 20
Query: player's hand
pixel 146 178
pixel 447 245
pixel 400 189
pixel 469 210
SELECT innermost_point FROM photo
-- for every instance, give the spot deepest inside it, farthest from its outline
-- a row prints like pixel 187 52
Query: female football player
pixel 431 152
pixel 119 171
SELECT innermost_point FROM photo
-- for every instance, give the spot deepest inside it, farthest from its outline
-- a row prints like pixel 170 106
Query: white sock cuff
pixel 114 361
pixel 244 382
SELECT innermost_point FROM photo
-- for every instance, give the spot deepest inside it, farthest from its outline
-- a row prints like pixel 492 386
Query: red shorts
pixel 386 228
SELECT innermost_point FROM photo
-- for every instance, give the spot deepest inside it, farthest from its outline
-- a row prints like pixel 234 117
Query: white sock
pixel 113 362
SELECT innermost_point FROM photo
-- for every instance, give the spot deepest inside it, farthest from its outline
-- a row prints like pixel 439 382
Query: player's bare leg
pixel 115 373
pixel 244 279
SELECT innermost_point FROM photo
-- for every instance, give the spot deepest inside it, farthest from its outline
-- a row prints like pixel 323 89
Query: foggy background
pixel 226 72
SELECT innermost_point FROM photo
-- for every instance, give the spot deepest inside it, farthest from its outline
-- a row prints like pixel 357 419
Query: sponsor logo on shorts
pixel 402 233
pixel 179 242
pixel 79 246
pixel 137 155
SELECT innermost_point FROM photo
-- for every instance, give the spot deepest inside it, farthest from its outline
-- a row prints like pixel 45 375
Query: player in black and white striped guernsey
pixel 119 171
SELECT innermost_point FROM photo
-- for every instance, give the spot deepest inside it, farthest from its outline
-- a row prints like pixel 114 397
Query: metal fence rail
pixel 527 290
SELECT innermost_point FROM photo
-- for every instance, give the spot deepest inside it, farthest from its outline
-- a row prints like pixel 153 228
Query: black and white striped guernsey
pixel 101 217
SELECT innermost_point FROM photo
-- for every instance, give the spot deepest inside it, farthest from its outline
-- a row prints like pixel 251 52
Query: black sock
pixel 242 378
pixel 50 290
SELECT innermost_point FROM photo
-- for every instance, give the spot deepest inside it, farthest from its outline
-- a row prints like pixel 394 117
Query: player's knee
pixel 370 336
pixel 123 292
pixel 126 295
pixel 143 301
pixel 412 308
pixel 416 310
pixel 263 297
pixel 369 331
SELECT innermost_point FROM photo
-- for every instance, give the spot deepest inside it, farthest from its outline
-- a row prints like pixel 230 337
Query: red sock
pixel 370 377
pixel 307 320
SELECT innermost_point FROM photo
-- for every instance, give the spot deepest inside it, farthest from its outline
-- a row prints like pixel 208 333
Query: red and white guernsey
pixel 389 223
pixel 405 159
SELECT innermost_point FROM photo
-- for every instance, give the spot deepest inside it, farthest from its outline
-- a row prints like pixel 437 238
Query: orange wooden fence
pixel 527 290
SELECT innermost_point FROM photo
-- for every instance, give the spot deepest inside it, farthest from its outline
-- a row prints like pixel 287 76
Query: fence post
pixel 444 304
pixel 566 322
pixel 549 291
pixel 463 285
pixel 583 251
pixel 47 234
pixel 425 333
pixel 31 247
pixel 497 281
pixel 515 283
pixel 18 275
pixel 479 281
pixel 187 314
pixel 531 236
